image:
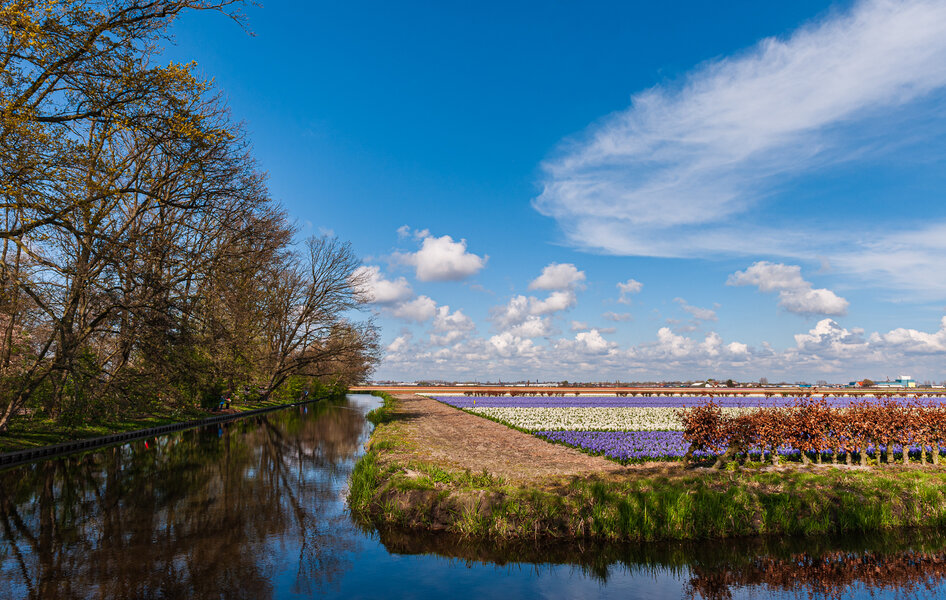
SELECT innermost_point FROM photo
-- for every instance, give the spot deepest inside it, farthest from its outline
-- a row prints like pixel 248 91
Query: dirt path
pixel 453 438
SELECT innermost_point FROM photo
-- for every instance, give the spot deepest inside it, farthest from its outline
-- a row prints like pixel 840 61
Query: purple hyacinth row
pixel 623 445
pixel 643 445
pixel 625 402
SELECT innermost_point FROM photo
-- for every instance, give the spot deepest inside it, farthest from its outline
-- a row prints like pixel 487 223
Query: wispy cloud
pixel 668 175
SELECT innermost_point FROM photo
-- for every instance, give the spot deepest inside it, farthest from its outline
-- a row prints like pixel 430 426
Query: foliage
pixel 143 263
pixel 813 428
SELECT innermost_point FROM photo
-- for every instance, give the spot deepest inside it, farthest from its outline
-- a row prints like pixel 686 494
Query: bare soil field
pixel 450 437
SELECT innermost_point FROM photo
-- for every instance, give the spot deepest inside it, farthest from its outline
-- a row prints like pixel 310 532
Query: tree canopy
pixel 142 259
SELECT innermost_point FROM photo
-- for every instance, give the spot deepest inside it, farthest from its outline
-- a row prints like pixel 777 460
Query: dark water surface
pixel 255 509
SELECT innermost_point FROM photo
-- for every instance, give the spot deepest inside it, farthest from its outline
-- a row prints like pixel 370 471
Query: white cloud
pixel 617 317
pixel 700 314
pixel 829 338
pixel 558 277
pixel 521 309
pixel 679 172
pixel 592 341
pixel 626 289
pixel 400 343
pixel 442 259
pixel 585 343
pixel 449 328
pixel 579 326
pixel 532 327
pixel 795 294
pixel 913 341
pixel 455 321
pixel 555 302
pixel 419 309
pixel 827 350
pixel 507 344
pixel 379 290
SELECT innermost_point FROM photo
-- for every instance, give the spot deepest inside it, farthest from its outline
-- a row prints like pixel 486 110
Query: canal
pixel 255 508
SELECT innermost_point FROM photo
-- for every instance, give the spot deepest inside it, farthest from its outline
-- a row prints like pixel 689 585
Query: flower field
pixel 623 445
pixel 588 418
pixel 731 428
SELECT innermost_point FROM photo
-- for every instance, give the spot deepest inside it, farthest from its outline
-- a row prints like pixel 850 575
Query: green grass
pixel 695 505
pixel 396 484
pixel 385 412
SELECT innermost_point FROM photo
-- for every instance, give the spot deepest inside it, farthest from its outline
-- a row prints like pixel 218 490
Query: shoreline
pixel 19 457
pixel 504 488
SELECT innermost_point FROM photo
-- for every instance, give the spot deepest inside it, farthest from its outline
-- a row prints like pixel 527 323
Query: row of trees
pixel 814 429
pixel 142 259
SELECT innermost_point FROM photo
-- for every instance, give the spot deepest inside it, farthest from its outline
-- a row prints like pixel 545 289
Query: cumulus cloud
pixel 558 277
pixel 795 294
pixel 617 317
pixel 525 315
pixel 399 344
pixel 670 174
pixel 555 302
pixel 420 309
pixel 378 290
pixel 827 349
pixel 506 344
pixel 913 341
pixel 628 288
pixel 442 259
pixel 532 327
pixel 450 327
pixel 827 336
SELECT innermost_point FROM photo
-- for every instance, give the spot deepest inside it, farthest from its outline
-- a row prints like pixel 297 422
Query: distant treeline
pixel 143 263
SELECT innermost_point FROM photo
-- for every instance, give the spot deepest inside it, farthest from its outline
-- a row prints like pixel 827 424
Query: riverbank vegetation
pixel 398 483
pixel 145 271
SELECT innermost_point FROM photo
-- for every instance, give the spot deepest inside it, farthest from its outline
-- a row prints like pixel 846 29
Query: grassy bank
pixel 670 502
pixel 28 433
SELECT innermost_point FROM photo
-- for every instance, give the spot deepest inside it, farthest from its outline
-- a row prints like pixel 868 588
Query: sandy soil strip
pixel 450 437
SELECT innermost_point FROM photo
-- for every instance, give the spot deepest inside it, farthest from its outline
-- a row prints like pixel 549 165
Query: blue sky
pixel 764 180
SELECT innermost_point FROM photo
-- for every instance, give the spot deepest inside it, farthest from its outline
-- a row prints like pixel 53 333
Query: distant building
pixel 903 381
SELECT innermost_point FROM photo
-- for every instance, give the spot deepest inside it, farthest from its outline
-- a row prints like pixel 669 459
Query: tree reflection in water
pixel 909 563
pixel 196 514
pixel 255 510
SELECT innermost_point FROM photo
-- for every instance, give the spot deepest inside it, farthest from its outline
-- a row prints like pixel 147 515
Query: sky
pixel 596 191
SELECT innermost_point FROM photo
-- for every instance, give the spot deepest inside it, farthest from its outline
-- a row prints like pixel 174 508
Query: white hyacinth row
pixel 595 418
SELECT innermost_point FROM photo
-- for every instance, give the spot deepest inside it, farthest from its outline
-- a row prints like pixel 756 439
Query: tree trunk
pixel 731 454
pixel 834 456
pixel 849 458
pixel 935 452
pixel 906 454
pixel 922 454
pixel 804 458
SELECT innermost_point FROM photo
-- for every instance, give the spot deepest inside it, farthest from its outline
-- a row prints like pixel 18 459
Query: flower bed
pixel 640 428
pixel 586 418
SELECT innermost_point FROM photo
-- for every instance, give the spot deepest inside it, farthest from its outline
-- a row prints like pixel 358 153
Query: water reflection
pixel 256 510
pixel 907 563
pixel 189 515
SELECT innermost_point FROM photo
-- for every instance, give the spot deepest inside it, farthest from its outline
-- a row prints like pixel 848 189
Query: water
pixel 255 509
